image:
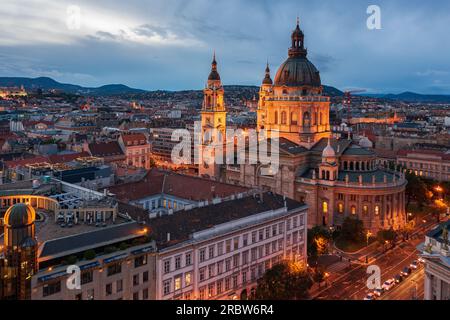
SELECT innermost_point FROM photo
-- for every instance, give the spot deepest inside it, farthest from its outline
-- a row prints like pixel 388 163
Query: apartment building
pixel 430 164
pixel 206 255
pixel 136 149
pixel 122 267
pixel 436 253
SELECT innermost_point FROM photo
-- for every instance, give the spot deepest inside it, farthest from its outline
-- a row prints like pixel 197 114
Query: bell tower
pixel 214 122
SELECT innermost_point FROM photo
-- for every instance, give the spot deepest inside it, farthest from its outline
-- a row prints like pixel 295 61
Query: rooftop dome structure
pixel 19 215
pixel 297 70
pixel 328 152
pixel 214 75
pixel 267 79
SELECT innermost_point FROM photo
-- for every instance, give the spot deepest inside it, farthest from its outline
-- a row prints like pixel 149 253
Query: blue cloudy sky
pixel 167 44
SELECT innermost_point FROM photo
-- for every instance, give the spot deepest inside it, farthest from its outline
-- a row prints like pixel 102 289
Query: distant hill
pixel 46 83
pixel 414 97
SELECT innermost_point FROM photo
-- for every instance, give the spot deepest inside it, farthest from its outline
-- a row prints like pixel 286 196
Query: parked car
pixel 388 284
pixel 370 297
pixel 406 271
pixel 378 292
pixel 398 278
pixel 414 265
pixel 421 260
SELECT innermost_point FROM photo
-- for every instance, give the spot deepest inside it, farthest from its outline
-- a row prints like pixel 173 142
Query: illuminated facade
pixel 337 178
pixel 214 122
pixel 19 253
pixel 293 104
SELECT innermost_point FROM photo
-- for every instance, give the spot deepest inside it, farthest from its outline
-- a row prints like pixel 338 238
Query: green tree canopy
pixel 285 281
pixel 416 190
pixel 352 230
pixel 386 235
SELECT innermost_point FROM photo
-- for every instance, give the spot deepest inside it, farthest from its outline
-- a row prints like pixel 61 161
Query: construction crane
pixel 348 102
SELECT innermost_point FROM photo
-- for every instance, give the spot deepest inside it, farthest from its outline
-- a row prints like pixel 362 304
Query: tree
pixel 416 190
pixel 352 230
pixel 386 235
pixel 408 229
pixel 285 281
pixel 319 275
pixel 89 254
pixel 318 242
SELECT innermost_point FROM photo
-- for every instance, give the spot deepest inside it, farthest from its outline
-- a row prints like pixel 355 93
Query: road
pixel 350 284
pixel 411 287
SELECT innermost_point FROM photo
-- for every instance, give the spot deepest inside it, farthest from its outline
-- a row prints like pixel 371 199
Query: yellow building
pixel 337 178
pixel 293 104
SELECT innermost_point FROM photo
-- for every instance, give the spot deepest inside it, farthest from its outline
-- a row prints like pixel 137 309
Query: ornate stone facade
pixel 335 177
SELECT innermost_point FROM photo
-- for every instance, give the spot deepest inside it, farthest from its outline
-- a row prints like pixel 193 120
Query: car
pixel 388 284
pixel 414 265
pixel 370 297
pixel 398 278
pixel 378 292
pixel 406 271
pixel 421 260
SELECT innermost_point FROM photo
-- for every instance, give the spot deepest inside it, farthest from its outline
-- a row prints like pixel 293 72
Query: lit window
pixel 177 283
pixel 325 207
pixel 353 210
pixel 341 208
pixel 365 209
pixel 187 279
pixel 377 210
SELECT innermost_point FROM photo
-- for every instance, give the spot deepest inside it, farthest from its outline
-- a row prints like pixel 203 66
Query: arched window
pixel 377 210
pixel 365 210
pixel 363 166
pixel 294 118
pixel 328 175
pixel 357 166
pixel 306 119
pixel 283 118
pixel 341 208
pixel 275 117
pixel 325 207
pixel 345 165
pixel 353 210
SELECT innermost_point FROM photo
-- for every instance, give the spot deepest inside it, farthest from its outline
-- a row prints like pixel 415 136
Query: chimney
pixel 168 236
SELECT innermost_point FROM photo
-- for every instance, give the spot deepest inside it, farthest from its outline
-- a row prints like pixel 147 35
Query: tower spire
pixel 214 75
pixel 267 78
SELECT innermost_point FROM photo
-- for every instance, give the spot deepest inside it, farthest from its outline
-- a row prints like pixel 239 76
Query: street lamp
pixel 368 235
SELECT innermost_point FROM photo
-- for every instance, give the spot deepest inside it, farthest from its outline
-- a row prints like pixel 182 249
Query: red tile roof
pixel 53 159
pixel 24 162
pixel 182 186
pixel 105 149
pixel 134 139
pixel 436 153
pixel 63 158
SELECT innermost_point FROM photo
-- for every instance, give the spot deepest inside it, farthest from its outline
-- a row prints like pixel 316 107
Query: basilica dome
pixel 297 72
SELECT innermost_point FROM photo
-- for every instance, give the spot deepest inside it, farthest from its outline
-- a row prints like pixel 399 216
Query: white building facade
pixel 224 262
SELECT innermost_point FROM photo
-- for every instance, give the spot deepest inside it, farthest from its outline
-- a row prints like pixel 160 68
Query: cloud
pixel 167 44
pixel 431 72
